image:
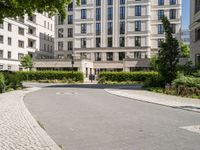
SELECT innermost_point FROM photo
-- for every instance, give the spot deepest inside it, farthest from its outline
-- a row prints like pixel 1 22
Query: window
pixel 1 53
pixel 160 41
pixel 122 2
pixel 83 14
pixel 70 19
pixel 1 39
pixel 98 42
pixel 97 56
pixel 83 43
pixel 1 25
pixel 173 28
pixel 70 7
pixel 20 31
pixel 197 34
pixel 9 41
pixel 137 25
pixel 109 56
pixel 122 12
pixel 197 6
pixel 110 41
pixel 172 2
pixel 9 27
pixel 138 11
pixel 98 28
pixel 9 55
pixel 172 14
pixel 110 13
pixel 122 41
pixel 160 29
pixel 20 55
pixel 98 14
pixel 160 2
pixel 161 14
pixel 70 45
pixel 21 44
pixel 83 2
pixel 83 28
pixel 60 46
pixel 98 2
pixel 110 2
pixel 60 20
pixel 60 33
pixel 70 32
pixel 137 55
pixel 110 28
pixel 137 41
pixel 122 27
pixel 122 56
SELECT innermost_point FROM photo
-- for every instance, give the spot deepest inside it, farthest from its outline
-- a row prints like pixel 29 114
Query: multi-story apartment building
pixel 115 34
pixel 195 32
pixel 32 35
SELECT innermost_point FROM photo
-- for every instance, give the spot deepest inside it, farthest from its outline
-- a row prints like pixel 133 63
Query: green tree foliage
pixel 169 53
pixel 154 63
pixel 27 62
pixel 14 8
pixel 185 50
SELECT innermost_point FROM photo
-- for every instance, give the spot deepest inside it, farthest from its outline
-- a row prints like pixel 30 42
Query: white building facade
pixel 117 35
pixel 195 32
pixel 32 35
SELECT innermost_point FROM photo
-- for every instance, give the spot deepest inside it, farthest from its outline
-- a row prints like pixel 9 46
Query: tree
pixel 27 62
pixel 169 53
pixel 15 8
pixel 154 62
pixel 185 50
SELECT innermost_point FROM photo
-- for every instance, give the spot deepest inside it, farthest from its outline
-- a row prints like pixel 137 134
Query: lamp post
pixel 72 62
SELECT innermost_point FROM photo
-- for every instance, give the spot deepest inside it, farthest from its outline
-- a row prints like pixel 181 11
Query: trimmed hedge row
pixel 127 76
pixel 51 75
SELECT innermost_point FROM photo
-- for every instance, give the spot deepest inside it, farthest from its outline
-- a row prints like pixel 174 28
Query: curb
pixel 179 105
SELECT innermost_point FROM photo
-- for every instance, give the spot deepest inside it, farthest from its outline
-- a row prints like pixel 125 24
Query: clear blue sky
pixel 185 14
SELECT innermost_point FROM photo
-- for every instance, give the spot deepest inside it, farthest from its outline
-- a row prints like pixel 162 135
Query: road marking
pixel 195 128
pixel 66 93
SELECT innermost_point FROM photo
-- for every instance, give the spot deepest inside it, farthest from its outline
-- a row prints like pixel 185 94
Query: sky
pixel 185 14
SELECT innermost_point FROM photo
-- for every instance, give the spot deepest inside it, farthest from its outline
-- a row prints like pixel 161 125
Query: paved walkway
pixel 156 98
pixel 18 129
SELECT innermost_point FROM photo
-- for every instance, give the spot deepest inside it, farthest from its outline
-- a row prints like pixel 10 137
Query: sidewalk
pixel 18 129
pixel 160 99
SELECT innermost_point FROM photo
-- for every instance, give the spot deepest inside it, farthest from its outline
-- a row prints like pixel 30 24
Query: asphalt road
pixel 82 118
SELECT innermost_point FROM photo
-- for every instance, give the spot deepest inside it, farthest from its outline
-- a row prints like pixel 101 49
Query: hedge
pixel 50 75
pixel 2 83
pixel 127 76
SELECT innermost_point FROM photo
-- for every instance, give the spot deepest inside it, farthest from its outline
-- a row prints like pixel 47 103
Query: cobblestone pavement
pixel 18 129
pixel 156 98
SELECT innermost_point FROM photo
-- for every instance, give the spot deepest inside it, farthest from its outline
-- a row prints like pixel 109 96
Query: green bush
pixel 126 76
pixel 2 83
pixel 51 75
pixel 187 81
pixel 13 80
pixel 154 81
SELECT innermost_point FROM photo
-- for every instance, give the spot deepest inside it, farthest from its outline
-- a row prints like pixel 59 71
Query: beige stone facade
pixel 195 32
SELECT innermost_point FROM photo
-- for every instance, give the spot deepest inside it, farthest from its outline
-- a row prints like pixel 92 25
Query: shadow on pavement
pixel 89 86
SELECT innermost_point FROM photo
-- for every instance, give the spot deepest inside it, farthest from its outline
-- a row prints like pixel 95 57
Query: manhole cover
pixel 66 93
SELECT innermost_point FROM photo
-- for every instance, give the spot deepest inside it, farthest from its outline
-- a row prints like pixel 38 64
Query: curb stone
pixel 185 105
pixel 18 129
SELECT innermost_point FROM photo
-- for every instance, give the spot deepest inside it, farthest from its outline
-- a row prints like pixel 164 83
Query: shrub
pixel 2 83
pixel 187 81
pixel 126 76
pixel 51 75
pixel 154 81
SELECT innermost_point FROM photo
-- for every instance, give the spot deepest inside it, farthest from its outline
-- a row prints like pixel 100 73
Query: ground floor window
pixel 197 61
